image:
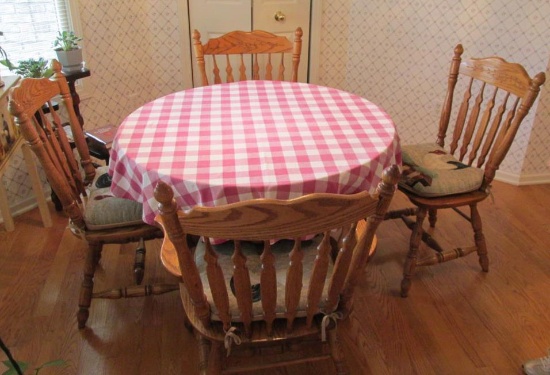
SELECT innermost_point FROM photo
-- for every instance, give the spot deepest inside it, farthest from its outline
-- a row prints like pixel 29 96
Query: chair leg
pixel 97 256
pixel 479 238
pixel 215 360
pixel 337 352
pixel 204 353
pixel 209 356
pixel 187 322
pixel 139 262
pixel 86 290
pixel 432 217
pixel 410 262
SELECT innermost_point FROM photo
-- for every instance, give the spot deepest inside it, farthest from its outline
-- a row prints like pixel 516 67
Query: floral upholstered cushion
pixel 104 211
pixel 281 249
pixel 430 171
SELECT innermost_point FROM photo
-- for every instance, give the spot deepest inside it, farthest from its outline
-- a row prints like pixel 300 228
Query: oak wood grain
pixel 460 320
pixel 247 45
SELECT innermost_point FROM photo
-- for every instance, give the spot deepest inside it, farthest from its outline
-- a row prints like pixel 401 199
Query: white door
pixel 216 17
pixel 213 18
pixel 282 17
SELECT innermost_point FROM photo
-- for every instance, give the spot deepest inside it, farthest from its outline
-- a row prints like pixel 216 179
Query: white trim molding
pixel 523 179
pixel 315 40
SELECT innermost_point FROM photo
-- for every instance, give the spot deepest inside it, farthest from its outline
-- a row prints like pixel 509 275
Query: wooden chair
pixel 95 215
pixel 497 97
pixel 253 43
pixel 268 303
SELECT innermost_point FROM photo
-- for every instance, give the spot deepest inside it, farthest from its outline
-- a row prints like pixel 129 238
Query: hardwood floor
pixel 456 320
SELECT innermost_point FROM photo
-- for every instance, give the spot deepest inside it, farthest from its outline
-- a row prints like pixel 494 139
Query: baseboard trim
pixel 502 176
pixel 24 206
pixel 524 179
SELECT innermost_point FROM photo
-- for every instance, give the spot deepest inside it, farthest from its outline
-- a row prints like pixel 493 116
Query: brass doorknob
pixel 279 16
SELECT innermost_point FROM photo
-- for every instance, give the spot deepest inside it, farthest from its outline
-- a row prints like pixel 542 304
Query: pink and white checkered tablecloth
pixel 231 142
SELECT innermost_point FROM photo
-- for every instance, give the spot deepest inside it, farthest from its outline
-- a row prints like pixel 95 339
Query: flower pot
pixel 71 60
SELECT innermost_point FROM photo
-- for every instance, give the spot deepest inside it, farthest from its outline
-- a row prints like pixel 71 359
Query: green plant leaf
pixel 47 73
pixel 57 362
pixel 7 63
pixel 34 68
pixel 66 41
pixel 11 370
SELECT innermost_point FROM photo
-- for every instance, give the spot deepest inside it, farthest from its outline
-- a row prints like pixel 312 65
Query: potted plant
pixel 34 68
pixel 68 51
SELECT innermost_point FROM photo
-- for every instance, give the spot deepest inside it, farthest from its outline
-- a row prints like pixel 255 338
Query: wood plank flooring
pixel 456 320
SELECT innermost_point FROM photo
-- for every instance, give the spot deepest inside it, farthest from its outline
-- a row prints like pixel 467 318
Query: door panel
pixel 219 16
pixel 215 17
pixel 296 14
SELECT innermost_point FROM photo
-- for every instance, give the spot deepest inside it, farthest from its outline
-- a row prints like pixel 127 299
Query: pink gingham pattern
pixel 231 142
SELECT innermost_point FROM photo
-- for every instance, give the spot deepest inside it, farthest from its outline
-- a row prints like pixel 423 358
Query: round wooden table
pixel 231 142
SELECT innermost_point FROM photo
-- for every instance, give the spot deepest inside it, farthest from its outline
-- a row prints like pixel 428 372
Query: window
pixel 30 27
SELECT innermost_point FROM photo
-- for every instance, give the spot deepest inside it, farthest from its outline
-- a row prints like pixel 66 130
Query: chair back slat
pixel 480 134
pixel 256 68
pixel 472 122
pixel 60 150
pixel 46 136
pixel 216 71
pixel 257 46
pixel 264 221
pixel 217 285
pixel 318 277
pixel 268 68
pixel 461 118
pixel 506 136
pixel 67 150
pixel 341 265
pixel 281 75
pixel 293 285
pixel 492 131
pixel 242 69
pixel 243 287
pixel 53 153
pixel 228 71
pixel 268 282
pixel 504 128
pixel 494 83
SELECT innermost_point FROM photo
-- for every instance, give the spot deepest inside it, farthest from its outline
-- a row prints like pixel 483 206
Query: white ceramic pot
pixel 71 60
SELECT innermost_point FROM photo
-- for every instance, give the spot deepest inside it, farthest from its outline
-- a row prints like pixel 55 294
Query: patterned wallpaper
pixel 133 51
pixel 394 52
pixel 398 54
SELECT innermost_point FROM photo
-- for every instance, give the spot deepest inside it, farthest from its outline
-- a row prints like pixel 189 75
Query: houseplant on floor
pixel 18 367
pixel 68 51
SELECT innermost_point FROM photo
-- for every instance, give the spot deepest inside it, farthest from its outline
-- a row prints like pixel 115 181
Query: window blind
pixel 30 28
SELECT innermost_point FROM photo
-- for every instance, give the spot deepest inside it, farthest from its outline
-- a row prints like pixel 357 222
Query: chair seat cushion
pixel 104 211
pixel 281 250
pixel 430 171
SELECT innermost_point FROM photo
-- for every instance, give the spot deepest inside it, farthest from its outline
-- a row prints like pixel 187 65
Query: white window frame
pixel 70 22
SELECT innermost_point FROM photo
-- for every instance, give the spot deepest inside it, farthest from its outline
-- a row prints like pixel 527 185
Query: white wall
pixel 397 54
